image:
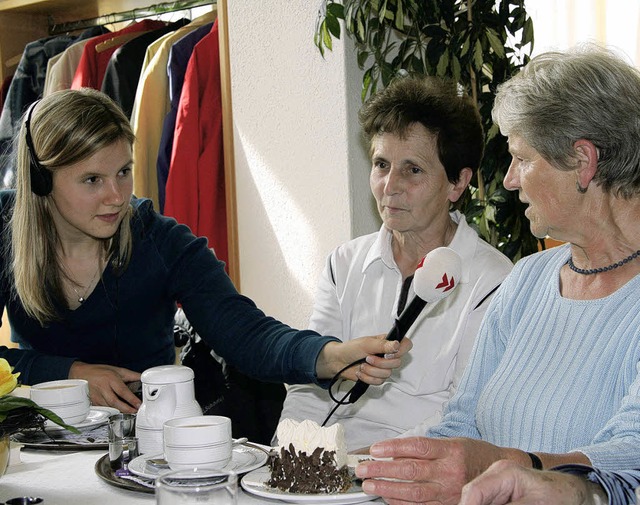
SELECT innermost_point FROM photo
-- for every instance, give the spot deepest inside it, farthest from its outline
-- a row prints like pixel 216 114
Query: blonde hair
pixel 66 127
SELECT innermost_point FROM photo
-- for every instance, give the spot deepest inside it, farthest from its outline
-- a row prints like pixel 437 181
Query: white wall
pixel 296 140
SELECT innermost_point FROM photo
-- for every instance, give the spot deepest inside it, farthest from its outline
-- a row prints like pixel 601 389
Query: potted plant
pixel 480 44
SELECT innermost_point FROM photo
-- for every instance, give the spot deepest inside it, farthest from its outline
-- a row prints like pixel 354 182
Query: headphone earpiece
pixel 41 177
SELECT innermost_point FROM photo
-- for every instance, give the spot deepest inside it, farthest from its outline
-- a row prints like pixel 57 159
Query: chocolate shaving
pixel 297 472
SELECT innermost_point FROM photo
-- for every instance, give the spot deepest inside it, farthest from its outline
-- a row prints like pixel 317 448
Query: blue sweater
pixel 619 486
pixel 551 374
pixel 128 320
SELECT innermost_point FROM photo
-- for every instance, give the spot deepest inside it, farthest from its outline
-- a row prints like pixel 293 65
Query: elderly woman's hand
pixel 507 482
pixel 427 470
pixel 375 370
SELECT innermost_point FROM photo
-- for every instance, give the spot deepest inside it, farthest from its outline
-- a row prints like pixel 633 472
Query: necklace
pixel 82 298
pixel 601 269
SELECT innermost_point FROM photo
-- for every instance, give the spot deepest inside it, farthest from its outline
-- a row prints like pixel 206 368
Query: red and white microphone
pixel 436 277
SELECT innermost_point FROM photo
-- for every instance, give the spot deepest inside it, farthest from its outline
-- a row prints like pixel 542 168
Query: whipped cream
pixel 307 436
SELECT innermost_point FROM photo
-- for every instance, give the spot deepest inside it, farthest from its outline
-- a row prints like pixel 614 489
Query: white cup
pixel 68 398
pixel 197 442
pixel 196 487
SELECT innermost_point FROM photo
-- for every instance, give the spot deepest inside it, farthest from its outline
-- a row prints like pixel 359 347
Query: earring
pixel 580 189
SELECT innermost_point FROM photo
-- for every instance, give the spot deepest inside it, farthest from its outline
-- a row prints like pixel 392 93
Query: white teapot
pixel 167 393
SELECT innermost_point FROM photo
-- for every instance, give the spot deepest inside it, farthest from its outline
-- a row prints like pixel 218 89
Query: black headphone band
pixel 41 177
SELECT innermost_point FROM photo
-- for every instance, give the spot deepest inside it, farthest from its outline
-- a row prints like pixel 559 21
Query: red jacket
pixel 195 192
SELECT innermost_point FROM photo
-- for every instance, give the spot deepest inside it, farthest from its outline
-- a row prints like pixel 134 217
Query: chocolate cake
pixel 309 459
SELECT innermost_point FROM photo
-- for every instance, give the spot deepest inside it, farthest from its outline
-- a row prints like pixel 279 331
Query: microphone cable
pixel 356 390
pixel 343 400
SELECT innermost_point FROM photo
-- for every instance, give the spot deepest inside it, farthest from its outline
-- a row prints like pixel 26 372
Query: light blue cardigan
pixel 553 375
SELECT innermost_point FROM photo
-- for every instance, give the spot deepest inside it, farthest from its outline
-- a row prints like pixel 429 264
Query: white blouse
pixel 358 296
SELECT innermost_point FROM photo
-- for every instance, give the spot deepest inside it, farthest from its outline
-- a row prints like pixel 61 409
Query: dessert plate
pixel 255 483
pixel 96 417
pixel 244 458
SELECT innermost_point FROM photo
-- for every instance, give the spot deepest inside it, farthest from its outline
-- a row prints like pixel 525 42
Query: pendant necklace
pixel 601 269
pixel 82 298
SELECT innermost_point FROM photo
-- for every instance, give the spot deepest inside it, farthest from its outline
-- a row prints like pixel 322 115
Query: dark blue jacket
pixel 128 320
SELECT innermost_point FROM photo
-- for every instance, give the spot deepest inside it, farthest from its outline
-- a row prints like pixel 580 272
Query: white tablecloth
pixel 69 478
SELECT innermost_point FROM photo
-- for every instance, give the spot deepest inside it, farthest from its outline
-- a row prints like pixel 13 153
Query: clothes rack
pixel 119 17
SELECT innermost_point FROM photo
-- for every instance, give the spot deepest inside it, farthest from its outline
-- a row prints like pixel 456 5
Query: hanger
pixel 120 17
pixel 14 60
pixel 118 40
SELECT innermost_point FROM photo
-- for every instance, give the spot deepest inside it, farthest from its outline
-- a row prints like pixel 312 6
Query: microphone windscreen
pixel 437 274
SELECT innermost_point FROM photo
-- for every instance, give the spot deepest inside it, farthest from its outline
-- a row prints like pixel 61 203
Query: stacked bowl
pixel 198 442
pixel 68 398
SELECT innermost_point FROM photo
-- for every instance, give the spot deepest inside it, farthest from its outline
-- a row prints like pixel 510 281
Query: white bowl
pixel 196 431
pixel 198 441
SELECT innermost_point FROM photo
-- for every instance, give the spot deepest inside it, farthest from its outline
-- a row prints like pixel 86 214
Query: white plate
pixel 243 459
pixel 255 483
pixel 96 417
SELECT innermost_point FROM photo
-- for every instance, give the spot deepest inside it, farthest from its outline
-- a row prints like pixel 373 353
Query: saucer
pixel 96 417
pixel 244 458
pixel 255 483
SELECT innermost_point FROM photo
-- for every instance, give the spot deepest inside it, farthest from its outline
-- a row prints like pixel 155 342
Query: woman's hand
pixel 507 482
pixel 428 470
pixel 107 385
pixel 375 370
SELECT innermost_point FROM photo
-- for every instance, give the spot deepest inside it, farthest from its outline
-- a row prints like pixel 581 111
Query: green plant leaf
pixel 362 58
pixel 399 19
pixel 9 404
pixel 496 43
pixel 333 25
pixel 361 31
pixel 443 64
pixel 366 84
pixel 456 69
pixel 478 58
pixel 493 131
pixel 317 40
pixel 335 10
pixel 527 35
pixel 465 46
pixel 326 36
pixel 382 12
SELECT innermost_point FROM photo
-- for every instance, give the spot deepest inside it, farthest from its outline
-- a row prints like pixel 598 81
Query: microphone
pixel 435 278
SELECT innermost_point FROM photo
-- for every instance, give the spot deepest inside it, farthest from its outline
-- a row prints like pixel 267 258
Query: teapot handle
pixel 151 392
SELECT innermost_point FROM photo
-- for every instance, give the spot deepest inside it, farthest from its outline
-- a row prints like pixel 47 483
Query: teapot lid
pixel 167 374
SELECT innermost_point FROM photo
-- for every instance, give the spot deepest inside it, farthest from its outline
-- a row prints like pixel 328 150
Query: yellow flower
pixel 8 380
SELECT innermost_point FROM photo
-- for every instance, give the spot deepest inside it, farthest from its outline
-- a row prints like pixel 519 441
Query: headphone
pixel 41 177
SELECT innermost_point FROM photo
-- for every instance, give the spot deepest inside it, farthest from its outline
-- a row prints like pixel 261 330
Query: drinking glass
pixel 197 486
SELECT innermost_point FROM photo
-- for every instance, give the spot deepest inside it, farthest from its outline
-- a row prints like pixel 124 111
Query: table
pixel 69 478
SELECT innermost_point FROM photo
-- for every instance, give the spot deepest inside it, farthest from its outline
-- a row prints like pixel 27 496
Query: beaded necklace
pixel 601 269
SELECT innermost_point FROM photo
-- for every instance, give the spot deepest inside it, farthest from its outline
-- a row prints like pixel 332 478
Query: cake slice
pixel 309 459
